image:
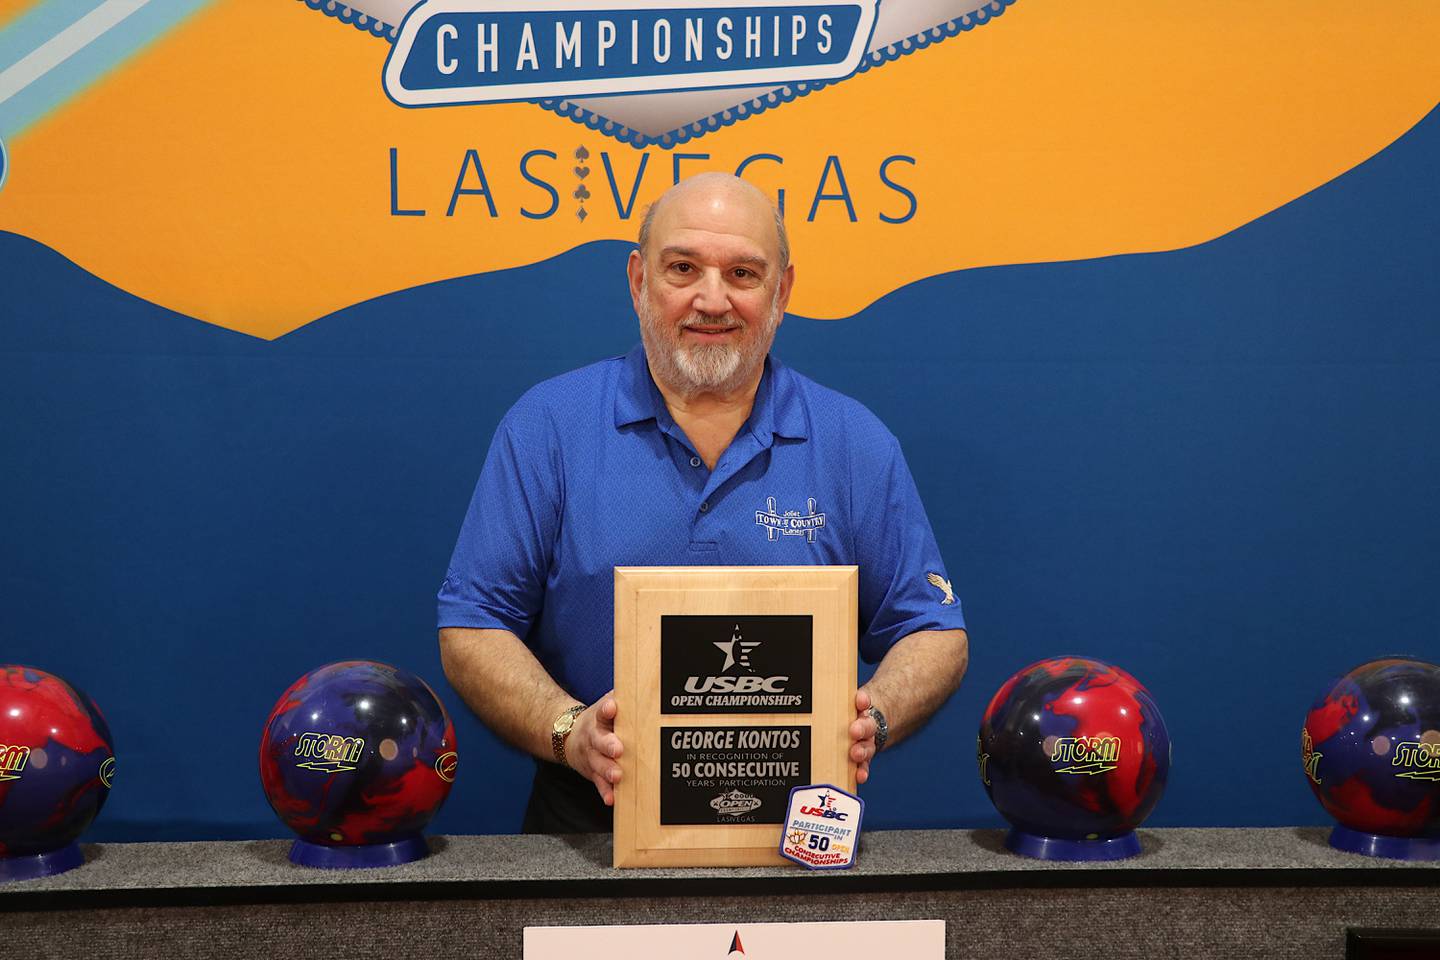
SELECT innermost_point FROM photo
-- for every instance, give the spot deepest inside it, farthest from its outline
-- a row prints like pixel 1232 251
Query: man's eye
pixel 681 267
pixel 743 273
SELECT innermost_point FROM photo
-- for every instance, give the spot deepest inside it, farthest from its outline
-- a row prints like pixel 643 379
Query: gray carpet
pixel 530 858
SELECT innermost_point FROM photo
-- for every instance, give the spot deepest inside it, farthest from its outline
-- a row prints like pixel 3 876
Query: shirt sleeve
pixel 496 578
pixel 904 587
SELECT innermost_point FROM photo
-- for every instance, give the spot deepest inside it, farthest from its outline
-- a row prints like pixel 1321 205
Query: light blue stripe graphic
pixel 88 63
pixel 38 24
pixel 64 45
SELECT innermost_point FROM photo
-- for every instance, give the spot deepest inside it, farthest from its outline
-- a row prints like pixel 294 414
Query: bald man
pixel 662 458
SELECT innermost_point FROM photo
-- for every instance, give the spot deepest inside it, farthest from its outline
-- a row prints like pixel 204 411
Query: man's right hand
pixel 592 747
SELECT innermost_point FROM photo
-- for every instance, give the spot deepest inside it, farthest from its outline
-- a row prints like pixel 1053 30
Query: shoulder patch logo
pixel 943 585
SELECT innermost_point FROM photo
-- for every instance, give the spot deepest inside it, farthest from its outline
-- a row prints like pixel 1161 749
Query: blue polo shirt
pixel 588 471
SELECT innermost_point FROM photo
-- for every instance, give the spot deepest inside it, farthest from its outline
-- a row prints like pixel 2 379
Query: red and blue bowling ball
pixel 1074 753
pixel 356 758
pixel 1371 752
pixel 56 765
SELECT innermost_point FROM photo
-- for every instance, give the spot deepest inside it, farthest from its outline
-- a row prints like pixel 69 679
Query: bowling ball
pixel 56 764
pixel 1370 749
pixel 356 758
pixel 1074 753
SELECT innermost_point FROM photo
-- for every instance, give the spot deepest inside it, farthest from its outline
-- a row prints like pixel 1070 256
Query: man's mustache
pixel 725 323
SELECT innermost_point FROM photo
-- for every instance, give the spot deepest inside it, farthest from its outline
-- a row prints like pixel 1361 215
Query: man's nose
pixel 711 297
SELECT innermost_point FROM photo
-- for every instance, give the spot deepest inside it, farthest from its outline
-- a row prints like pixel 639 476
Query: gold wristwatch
pixel 563 725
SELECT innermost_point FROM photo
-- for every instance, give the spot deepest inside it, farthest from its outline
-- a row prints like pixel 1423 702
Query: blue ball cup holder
pixel 1054 848
pixel 1391 848
pixel 360 856
pixel 36 865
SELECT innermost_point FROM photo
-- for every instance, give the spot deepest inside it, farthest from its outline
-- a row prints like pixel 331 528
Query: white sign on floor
pixel 911 939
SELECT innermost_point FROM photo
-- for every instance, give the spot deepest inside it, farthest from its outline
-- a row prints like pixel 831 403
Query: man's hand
pixel 592 747
pixel 862 735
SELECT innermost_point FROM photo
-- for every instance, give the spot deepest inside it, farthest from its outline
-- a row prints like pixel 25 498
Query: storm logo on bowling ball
pixel 12 761
pixel 1086 755
pixel 330 753
pixel 1423 759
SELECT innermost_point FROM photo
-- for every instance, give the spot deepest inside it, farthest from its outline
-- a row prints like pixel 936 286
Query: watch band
pixel 561 729
pixel 882 729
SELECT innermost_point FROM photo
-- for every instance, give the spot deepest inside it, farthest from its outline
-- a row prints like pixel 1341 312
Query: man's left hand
pixel 862 735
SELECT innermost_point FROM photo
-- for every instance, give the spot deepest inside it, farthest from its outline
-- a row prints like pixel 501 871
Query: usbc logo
pixel 737 654
pixel 747 664
pixel 12 761
pixel 329 753
pixel 826 809
pixel 469 51
pixel 107 772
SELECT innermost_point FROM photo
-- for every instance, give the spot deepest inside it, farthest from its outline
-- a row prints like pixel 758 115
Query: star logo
pixel 737 651
pixel 735 945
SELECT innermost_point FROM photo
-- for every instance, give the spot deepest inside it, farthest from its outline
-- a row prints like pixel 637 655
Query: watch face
pixel 566 721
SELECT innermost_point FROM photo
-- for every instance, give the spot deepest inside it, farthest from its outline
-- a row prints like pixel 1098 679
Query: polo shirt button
pixel 704 507
pixel 694 461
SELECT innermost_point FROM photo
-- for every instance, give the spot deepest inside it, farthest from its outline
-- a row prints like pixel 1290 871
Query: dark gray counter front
pixel 1191 893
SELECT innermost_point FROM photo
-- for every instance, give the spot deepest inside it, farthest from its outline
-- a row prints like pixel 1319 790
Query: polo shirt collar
pixel 636 396
pixel 777 411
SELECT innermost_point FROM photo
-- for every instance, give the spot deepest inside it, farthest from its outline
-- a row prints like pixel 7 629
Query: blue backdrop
pixel 1216 467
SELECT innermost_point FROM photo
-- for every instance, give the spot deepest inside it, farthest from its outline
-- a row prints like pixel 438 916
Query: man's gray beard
pixel 706 367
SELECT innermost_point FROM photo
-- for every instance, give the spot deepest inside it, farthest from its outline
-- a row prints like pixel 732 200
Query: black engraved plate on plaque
pixel 731 774
pixel 736 664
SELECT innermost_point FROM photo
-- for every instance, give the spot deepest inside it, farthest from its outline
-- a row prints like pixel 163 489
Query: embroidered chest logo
pixel 791 523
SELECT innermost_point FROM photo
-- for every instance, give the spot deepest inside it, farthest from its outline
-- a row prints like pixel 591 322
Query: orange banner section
pixel 248 170
pixel 13 9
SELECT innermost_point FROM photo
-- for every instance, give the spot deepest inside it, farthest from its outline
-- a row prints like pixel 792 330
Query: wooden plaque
pixel 733 684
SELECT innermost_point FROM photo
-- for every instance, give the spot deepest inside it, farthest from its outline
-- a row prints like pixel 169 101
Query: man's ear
pixel 787 283
pixel 635 273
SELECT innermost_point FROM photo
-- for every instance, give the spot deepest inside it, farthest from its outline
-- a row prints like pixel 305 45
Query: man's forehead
pixel 701 244
pixel 716 215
